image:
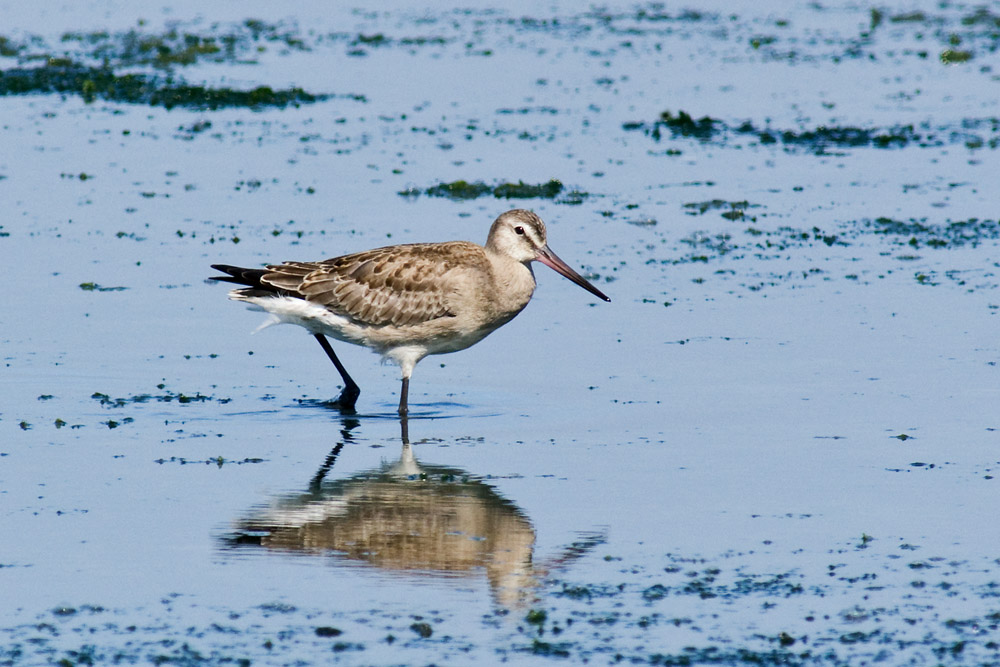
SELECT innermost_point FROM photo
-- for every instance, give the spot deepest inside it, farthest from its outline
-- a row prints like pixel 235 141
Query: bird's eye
pixel 519 231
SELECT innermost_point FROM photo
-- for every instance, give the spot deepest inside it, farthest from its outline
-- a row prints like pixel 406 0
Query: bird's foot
pixel 348 397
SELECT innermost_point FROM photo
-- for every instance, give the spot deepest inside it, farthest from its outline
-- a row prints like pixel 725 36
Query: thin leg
pixel 403 409
pixel 350 423
pixel 316 483
pixel 404 430
pixel 349 395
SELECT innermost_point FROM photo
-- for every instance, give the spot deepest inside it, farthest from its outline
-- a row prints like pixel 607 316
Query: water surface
pixel 777 445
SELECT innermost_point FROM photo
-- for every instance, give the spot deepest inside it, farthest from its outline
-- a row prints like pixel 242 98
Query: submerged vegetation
pixel 732 210
pixel 462 190
pixel 974 133
pixel 166 397
pixel 94 287
pixel 954 36
pixel 101 66
pixel 93 83
pixel 674 615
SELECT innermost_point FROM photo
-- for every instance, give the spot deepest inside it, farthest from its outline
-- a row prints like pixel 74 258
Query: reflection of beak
pixel 551 260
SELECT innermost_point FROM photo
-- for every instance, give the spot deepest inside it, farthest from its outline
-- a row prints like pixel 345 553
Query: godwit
pixel 407 301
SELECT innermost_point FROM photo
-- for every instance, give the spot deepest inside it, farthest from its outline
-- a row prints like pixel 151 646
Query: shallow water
pixel 778 444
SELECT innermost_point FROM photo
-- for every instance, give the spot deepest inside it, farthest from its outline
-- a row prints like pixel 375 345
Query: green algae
pixel 680 125
pixel 522 190
pixel 9 48
pixel 683 124
pixel 357 44
pixel 238 43
pixel 94 287
pixel 953 56
pixel 167 397
pixel 377 39
pixel 462 190
pixel 94 83
pixel 973 133
pixel 978 29
pixel 459 190
pixel 823 137
pixel 92 68
pixel 161 51
pixel 733 210
pixel 550 649
pixel 917 232
pixel 625 622
pixel 218 461
pixel 536 617
pixel 713 655
pixel 726 251
pixel 423 630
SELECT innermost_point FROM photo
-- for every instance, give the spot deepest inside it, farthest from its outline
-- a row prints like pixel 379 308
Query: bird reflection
pixel 410 518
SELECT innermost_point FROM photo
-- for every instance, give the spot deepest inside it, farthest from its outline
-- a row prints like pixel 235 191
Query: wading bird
pixel 407 301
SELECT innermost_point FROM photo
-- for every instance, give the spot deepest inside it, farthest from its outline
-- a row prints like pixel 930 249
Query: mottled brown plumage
pixel 399 285
pixel 407 301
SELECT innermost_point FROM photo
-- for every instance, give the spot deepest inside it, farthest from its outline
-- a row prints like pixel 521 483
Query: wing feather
pixel 399 285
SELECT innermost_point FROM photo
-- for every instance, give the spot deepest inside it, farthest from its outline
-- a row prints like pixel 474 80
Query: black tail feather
pixel 253 279
pixel 241 276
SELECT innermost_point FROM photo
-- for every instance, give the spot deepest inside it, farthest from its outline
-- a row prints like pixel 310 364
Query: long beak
pixel 551 260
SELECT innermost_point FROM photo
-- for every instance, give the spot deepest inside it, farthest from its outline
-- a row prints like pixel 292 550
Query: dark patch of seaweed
pixel 463 190
pixel 94 83
pixel 973 133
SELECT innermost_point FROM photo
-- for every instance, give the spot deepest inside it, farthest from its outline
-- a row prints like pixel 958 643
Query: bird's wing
pixel 398 285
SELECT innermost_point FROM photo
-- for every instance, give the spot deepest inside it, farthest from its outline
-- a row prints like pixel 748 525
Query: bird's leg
pixel 404 390
pixel 316 483
pixel 349 395
pixel 404 430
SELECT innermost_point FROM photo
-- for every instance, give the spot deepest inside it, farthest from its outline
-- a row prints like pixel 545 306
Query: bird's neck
pixel 516 283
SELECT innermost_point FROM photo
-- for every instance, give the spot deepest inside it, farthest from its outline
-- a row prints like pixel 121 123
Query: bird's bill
pixel 551 260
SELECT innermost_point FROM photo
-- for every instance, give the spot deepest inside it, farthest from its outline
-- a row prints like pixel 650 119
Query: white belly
pixel 405 345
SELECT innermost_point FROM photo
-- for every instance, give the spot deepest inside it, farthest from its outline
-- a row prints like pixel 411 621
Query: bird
pixel 406 301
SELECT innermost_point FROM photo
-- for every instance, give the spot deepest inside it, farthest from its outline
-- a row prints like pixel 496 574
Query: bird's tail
pixel 241 276
pixel 252 281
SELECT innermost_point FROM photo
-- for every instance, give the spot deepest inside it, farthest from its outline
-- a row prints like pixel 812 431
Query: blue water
pixel 779 441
